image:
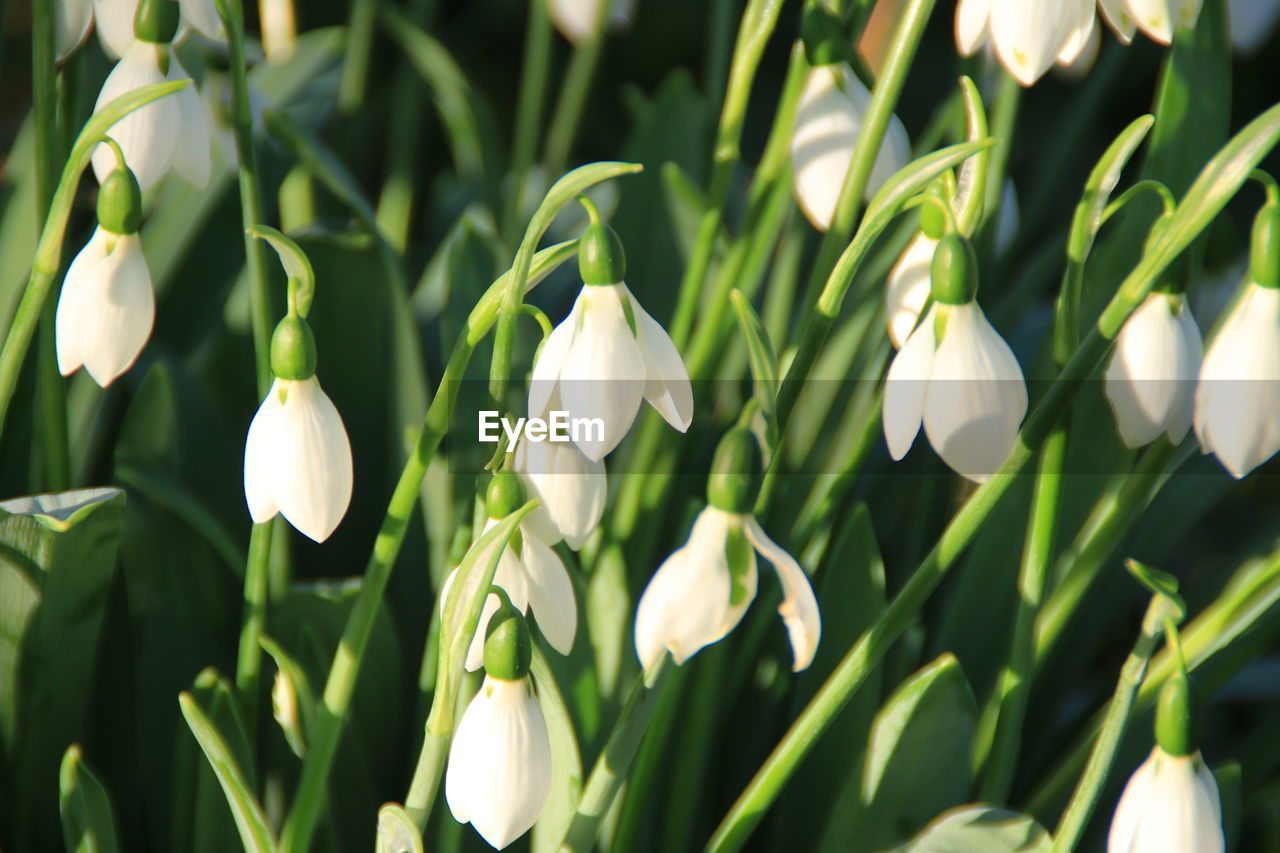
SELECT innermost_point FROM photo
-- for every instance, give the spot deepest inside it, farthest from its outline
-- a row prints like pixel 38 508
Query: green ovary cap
pixel 1264 250
pixel 954 271
pixel 156 21
pixel 822 32
pixel 505 495
pixel 1175 717
pixel 508 649
pixel 736 471
pixel 120 202
pixel 293 349
pixel 601 259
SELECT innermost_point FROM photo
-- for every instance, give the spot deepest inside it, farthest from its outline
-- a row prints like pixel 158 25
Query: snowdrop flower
pixel 570 487
pixel 956 375
pixel 579 20
pixel 1028 36
pixel 116 22
pixel 297 457
pixel 1156 18
pixel 700 593
pixel 107 307
pixel 499 770
pixel 1150 378
pixel 1252 22
pixel 531 575
pixel 828 120
pixel 172 131
pixel 74 17
pixel 608 355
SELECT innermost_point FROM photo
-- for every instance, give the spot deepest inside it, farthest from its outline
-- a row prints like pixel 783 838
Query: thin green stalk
pixel 1089 789
pixel 253 618
pixel 426 776
pixel 532 101
pixel 635 801
pixel 355 64
pixel 573 96
pixel 610 769
pixel 1004 117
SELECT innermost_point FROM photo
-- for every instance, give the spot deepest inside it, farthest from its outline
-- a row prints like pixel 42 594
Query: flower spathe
pixel 1237 408
pixel 579 20
pixel 571 489
pixel 967 389
pixel 833 106
pixel 115 23
pixel 297 459
pixel 1150 380
pixel 534 579
pixel 170 132
pixel 1027 36
pixel 1170 805
pixel 107 308
pixel 700 592
pixel 603 360
pixel 499 770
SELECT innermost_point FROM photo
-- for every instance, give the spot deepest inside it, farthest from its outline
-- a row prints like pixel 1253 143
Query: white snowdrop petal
pixel 1170 805
pixel 116 309
pixel 316 461
pixel 580 20
pixel 906 386
pixel 1149 380
pixel 80 280
pixel 202 16
pixel 114 20
pixel 72 23
pixel 907 289
pixel 193 154
pixel 1134 803
pixel 551 595
pixel 572 490
pixel 799 607
pixel 1081 31
pixel 263 456
pixel 667 385
pixel 971 25
pixel 1028 35
pixel 1117 16
pixel 551 358
pixel 1154 17
pixel 148 136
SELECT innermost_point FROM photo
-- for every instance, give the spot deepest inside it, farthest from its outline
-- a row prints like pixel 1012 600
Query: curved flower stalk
pixel 107 307
pixel 172 132
pixel 532 576
pixel 832 107
pixel 700 593
pixel 956 376
pixel 579 20
pixel 1027 36
pixel 499 771
pixel 1150 380
pixel 572 490
pixel 608 355
pixel 1156 18
pixel 297 457
pixel 115 19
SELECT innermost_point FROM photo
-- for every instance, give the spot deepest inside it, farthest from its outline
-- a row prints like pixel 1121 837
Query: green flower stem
pixel 634 811
pixel 573 96
pixel 355 64
pixel 758 23
pixel 257 578
pixel 884 100
pixel 1004 118
pixel 529 109
pixel 1089 789
pixel 610 769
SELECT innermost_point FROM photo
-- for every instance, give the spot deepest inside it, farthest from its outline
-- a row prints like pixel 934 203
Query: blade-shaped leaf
pixel 87 823
pixel 979 829
pixel 566 761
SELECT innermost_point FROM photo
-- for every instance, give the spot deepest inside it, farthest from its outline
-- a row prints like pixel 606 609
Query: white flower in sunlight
pixel 1252 22
pixel 115 23
pixel 1156 18
pixel 499 771
pixel 1028 36
pixel 172 131
pixel 699 593
pixel 279 28
pixel 297 459
pixel 534 578
pixel 1150 380
pixel 605 358
pixel 572 490
pixel 1170 805
pixel 967 389
pixel 74 17
pixel 828 120
pixel 1238 399
pixel 106 309
pixel 580 20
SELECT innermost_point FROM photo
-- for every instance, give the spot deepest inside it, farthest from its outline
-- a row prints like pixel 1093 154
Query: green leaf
pixel 685 203
pixel 397 833
pixel 918 753
pixel 973 177
pixel 979 829
pixel 255 832
pixel 87 823
pixel 760 353
pixel 1101 184
pixel 566 761
pixel 1231 796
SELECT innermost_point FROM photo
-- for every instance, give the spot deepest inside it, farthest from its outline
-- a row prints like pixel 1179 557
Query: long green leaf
pixel 87 822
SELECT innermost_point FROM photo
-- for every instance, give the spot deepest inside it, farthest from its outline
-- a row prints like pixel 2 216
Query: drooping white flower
pixel 107 307
pixel 1150 380
pixel 1157 18
pixel 1028 36
pixel 172 131
pixel 580 20
pixel 534 579
pixel 966 388
pixel 499 770
pixel 1237 415
pixel 1252 22
pixel 115 23
pixel 605 358
pixel 1170 805
pixel 74 17
pixel 699 593
pixel 297 459
pixel 571 488
pixel 832 107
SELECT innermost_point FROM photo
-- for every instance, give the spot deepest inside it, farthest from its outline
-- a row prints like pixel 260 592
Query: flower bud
pixel 601 260
pixel 293 349
pixel 1175 717
pixel 156 21
pixel 1264 250
pixel 954 271
pixel 505 495
pixel 508 648
pixel 120 202
pixel 736 471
